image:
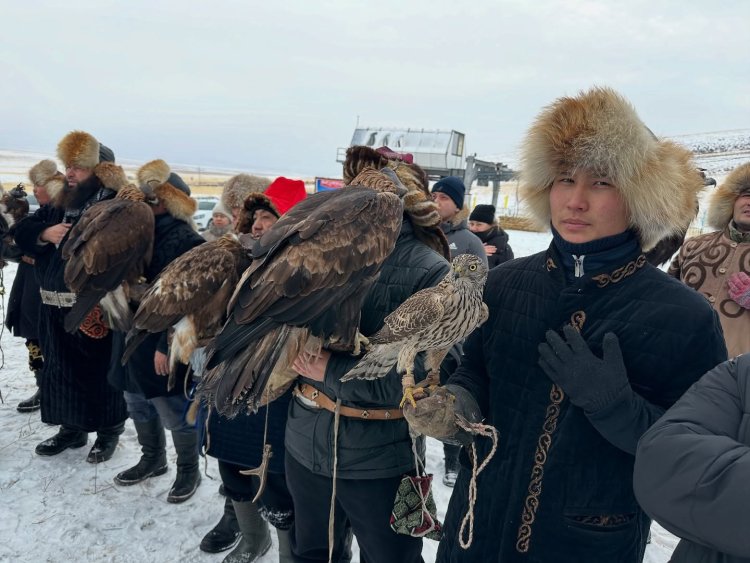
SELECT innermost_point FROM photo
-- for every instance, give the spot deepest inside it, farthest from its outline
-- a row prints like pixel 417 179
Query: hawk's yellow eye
pixel 473 267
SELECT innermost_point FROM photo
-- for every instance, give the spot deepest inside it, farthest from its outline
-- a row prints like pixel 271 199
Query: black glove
pixel 590 383
pixel 435 415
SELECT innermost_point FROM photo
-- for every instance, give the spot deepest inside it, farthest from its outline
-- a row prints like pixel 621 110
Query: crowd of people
pixel 590 366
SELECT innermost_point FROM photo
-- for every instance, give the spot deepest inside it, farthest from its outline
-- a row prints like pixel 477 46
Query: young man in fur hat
pixel 717 264
pixel 238 442
pixel 152 404
pixel 24 302
pixel 586 345
pixel 75 392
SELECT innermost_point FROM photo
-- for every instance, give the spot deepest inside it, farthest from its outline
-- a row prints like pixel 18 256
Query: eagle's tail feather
pixel 375 364
pixel 117 309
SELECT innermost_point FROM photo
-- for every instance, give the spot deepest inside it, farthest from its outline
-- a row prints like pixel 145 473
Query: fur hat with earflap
pixel 418 204
pixel 721 204
pixel 46 175
pixel 81 149
pixel 169 189
pixel 238 187
pixel 600 131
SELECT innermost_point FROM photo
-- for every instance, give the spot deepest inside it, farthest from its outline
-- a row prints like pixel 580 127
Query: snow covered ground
pixel 62 509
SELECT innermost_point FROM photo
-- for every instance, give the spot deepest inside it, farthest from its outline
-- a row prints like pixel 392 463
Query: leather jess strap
pixel 325 402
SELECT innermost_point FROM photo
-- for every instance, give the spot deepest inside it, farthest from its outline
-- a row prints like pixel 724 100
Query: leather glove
pixel 590 382
pixel 739 289
pixel 435 415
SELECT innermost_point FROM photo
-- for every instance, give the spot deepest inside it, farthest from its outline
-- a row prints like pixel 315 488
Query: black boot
pixel 188 471
pixel 451 464
pixel 153 460
pixel 225 534
pixel 64 439
pixel 33 403
pixel 105 443
pixel 256 539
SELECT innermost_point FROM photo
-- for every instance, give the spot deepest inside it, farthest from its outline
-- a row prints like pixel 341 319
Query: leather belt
pixel 57 299
pixel 28 260
pixel 312 395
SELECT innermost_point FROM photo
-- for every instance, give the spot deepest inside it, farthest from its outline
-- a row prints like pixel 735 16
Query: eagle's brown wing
pixel 313 269
pixel 197 283
pixel 111 243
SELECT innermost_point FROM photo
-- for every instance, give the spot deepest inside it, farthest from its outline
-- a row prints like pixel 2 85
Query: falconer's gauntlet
pixel 435 415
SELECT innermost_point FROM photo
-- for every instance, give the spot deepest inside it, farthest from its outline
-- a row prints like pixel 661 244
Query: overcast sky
pixel 278 86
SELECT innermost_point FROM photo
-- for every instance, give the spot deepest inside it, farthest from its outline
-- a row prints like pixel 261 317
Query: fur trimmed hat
pixel 600 131
pixel 46 174
pixel 721 204
pixel 169 189
pixel 418 204
pixel 238 187
pixel 79 148
pixel 253 202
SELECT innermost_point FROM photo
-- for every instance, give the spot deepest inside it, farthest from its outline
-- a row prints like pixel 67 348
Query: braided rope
pixel 468 520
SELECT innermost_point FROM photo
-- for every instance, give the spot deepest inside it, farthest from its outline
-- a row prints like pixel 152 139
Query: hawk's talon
pixel 409 393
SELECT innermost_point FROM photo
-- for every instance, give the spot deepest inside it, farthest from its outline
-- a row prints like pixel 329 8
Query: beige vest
pixel 704 263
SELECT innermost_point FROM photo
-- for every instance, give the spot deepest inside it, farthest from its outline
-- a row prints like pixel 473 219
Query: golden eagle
pixel 109 246
pixel 305 288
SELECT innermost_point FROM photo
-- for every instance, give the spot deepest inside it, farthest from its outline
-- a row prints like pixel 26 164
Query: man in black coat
pixel 151 404
pixel 585 347
pixel 363 453
pixel 75 392
pixel 24 300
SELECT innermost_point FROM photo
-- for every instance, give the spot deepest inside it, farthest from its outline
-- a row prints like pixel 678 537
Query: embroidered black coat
pixel 172 238
pixel 75 391
pixel 560 485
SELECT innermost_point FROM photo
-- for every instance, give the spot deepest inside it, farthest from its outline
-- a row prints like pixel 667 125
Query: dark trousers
pixel 275 504
pixel 365 503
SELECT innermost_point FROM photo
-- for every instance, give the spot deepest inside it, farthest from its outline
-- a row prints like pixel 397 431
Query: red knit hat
pixel 285 193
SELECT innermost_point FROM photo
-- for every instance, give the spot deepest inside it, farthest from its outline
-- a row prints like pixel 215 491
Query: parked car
pixel 33 203
pixel 202 216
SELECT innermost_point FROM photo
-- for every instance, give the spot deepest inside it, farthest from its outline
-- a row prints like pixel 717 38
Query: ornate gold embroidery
pixel 93 325
pixel 603 280
pixel 531 504
pixel 550 265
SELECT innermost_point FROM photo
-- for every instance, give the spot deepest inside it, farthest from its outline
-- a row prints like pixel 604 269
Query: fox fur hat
pixel 418 204
pixel 600 131
pixel 238 187
pixel 45 173
pixel 721 204
pixel 79 148
pixel 169 188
